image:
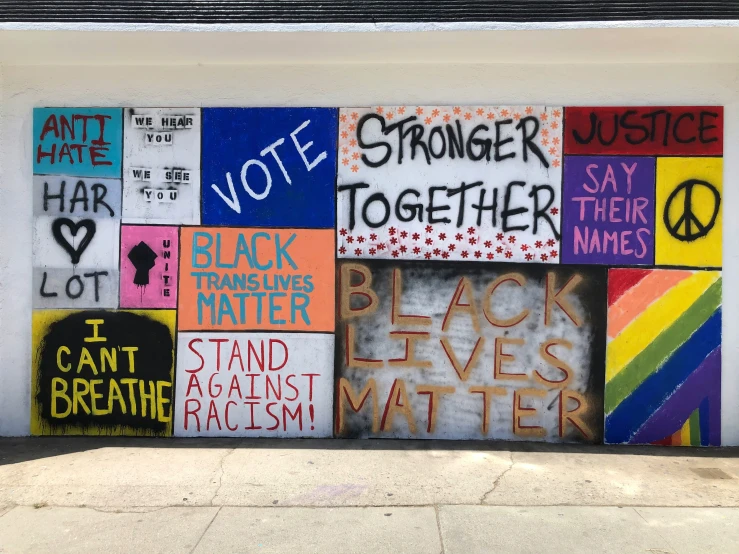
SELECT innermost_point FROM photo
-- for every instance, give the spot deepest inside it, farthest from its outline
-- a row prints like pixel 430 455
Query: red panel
pixel 646 131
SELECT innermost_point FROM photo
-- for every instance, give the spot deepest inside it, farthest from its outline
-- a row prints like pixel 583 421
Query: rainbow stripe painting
pixel 663 358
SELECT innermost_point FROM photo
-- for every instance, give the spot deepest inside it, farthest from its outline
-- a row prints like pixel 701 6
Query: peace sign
pixel 688 226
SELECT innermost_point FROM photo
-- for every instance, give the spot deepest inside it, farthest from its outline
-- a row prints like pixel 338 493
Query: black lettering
pixel 59 196
pixel 352 199
pixel 542 212
pixel 675 133
pixel 461 191
pixel 95 275
pixel 702 127
pixel 98 193
pixel 80 285
pixel 528 139
pixel 507 212
pixel 615 131
pixel 586 140
pixel 481 207
pixel 416 132
pixel 485 145
pixel 456 142
pixel 414 209
pixel 430 209
pixel 43 292
pixel 371 145
pixel 627 125
pixel 376 197
pixel 437 130
pixel 498 143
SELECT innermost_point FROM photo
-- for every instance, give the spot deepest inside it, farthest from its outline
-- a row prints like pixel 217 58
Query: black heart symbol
pixel 75 253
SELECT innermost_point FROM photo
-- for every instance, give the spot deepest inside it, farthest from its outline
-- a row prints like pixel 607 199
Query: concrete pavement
pixel 153 495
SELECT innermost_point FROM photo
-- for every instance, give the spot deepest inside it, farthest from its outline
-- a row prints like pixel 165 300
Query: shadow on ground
pixel 16 450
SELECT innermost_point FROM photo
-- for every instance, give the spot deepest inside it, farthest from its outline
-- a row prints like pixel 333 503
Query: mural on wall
pixel 254 385
pixel 269 167
pixel 306 272
pixel 466 351
pixel 256 279
pixel 149 266
pixel 476 183
pixel 102 372
pixel 689 211
pixel 77 207
pixel 161 165
pixel 609 210
pixel 663 362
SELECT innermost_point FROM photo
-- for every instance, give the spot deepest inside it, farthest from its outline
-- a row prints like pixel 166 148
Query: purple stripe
pixel 704 382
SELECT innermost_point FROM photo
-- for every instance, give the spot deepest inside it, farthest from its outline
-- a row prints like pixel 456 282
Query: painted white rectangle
pixel 101 251
pixel 254 385
pixel 141 151
pixel 465 183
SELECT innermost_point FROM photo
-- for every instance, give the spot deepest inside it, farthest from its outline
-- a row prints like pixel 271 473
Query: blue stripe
pixel 625 420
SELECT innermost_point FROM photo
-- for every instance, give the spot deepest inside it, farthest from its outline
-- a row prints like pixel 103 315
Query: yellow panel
pixel 41 320
pixel 694 213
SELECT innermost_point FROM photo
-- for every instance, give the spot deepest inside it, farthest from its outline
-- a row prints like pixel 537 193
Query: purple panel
pixel 608 210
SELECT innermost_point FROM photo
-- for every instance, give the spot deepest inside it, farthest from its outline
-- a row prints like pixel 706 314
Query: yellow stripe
pixel 655 319
pixel 685 433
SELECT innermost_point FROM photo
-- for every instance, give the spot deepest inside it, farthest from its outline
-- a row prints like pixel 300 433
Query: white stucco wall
pixel 126 82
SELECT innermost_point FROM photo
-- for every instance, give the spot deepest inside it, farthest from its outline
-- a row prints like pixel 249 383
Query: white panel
pixel 254 385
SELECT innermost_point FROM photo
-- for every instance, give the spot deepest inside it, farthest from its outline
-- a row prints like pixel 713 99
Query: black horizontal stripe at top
pixel 361 11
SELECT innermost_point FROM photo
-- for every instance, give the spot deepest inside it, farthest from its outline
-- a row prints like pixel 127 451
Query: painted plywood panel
pixel 645 131
pixel 470 351
pixel 256 279
pixel 149 266
pixel 161 165
pixel 254 385
pixel 475 183
pixel 663 362
pixel 77 141
pixel 269 167
pixel 689 212
pixel 101 372
pixel 608 213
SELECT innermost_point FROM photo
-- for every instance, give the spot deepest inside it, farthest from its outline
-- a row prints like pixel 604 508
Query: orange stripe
pixel 677 439
pixel 637 298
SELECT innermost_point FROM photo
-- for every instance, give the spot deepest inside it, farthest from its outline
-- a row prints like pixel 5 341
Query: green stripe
pixel 655 354
pixel 695 430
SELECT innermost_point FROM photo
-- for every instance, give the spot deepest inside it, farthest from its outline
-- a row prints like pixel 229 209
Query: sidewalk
pixel 153 495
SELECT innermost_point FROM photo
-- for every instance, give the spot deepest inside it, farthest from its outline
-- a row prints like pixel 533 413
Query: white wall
pixel 23 87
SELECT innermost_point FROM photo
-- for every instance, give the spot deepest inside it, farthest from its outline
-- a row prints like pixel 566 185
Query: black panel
pixel 360 11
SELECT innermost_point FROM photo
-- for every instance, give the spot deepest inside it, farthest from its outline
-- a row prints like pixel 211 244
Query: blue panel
pixel 300 170
pixel 82 142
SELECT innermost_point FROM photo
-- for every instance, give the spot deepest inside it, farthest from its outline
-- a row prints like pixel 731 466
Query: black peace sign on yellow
pixel 688 226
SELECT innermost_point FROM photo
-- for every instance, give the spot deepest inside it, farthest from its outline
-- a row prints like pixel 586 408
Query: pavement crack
pixel 218 511
pixel 655 530
pixel 220 477
pixel 438 528
pixel 497 481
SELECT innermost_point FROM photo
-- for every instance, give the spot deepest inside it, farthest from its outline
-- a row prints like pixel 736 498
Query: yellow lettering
pixel 130 350
pixel 57 394
pixel 80 388
pixel 114 393
pixel 161 401
pixel 86 359
pixel 131 394
pixel 95 337
pixel 65 350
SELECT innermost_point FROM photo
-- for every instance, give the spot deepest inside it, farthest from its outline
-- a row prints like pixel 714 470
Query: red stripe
pixel 621 280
